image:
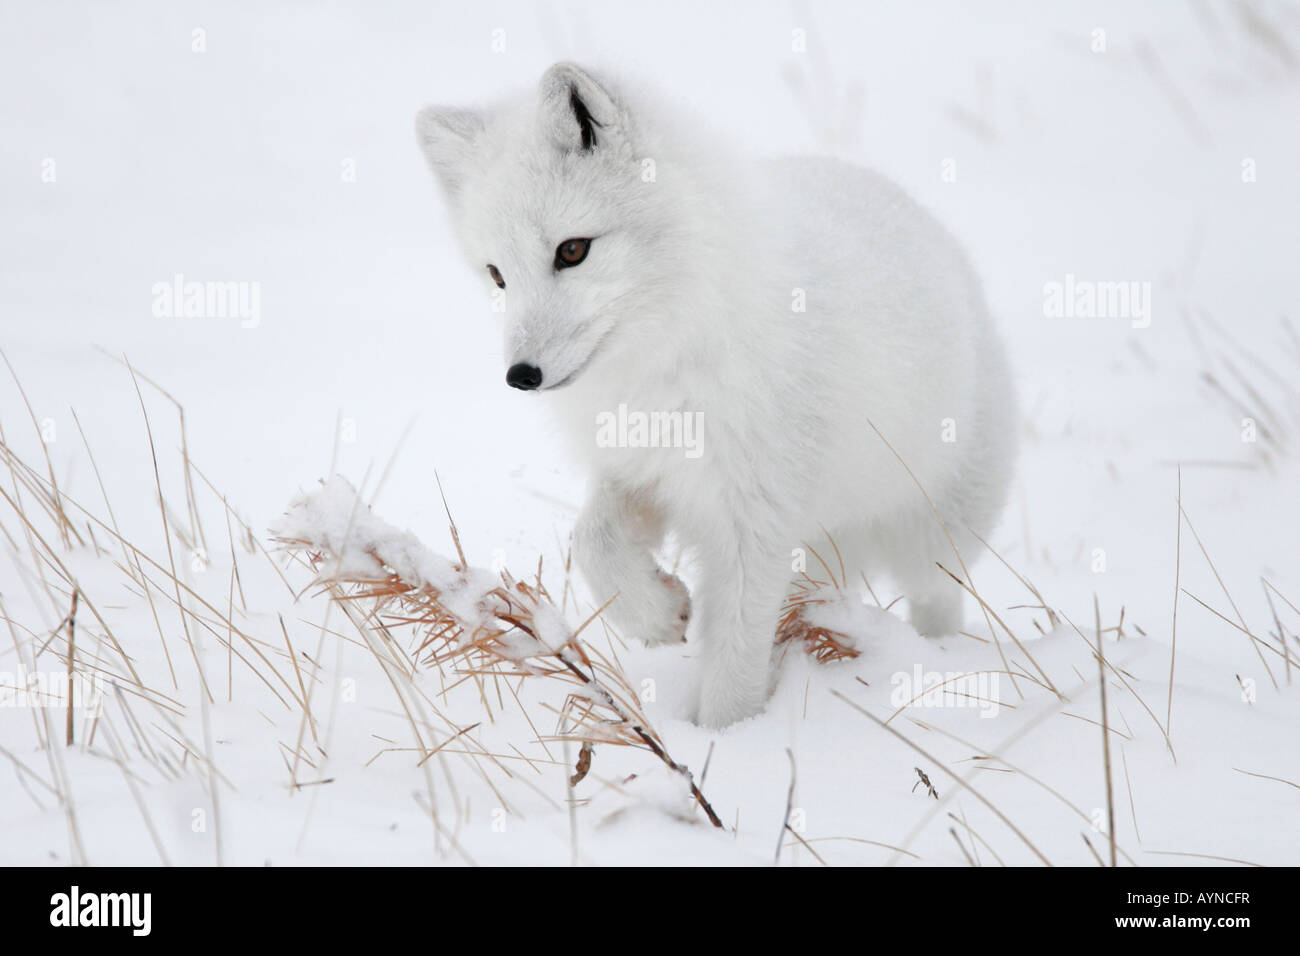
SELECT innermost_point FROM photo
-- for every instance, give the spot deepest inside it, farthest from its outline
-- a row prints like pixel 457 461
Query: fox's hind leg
pixel 614 543
pixel 915 553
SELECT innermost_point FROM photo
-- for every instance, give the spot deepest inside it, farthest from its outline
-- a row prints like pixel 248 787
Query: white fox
pixel 829 336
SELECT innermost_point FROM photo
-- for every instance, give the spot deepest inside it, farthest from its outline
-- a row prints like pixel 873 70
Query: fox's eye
pixel 571 252
pixel 495 273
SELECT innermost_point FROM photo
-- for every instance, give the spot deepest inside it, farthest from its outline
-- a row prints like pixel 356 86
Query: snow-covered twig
pixel 472 620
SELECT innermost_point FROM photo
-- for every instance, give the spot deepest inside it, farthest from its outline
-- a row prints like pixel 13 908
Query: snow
pixel 373 358
pixel 553 631
pixel 335 520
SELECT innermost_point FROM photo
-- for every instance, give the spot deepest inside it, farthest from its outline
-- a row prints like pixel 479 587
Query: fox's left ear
pixel 579 112
pixel 447 137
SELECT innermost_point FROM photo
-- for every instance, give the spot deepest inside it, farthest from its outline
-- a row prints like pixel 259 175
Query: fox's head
pixel 558 205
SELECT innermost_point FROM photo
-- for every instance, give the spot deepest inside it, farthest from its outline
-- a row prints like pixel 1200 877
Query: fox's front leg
pixel 614 543
pixel 743 584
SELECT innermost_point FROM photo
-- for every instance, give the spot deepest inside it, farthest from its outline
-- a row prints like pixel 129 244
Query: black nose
pixel 527 377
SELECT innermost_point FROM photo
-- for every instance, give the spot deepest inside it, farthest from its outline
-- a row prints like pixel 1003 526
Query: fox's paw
pixel 937 617
pixel 732 693
pixel 677 603
pixel 723 704
pixel 654 614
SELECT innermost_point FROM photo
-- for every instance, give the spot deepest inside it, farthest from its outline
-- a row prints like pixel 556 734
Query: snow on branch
pixel 469 619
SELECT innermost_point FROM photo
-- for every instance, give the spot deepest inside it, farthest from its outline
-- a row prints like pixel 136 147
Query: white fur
pixel 686 302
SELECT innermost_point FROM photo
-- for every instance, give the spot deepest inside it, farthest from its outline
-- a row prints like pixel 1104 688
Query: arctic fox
pixel 828 336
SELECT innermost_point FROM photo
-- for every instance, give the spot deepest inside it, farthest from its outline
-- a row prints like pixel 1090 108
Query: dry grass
pixel 518 633
pixel 140 723
pixel 154 725
pixel 821 643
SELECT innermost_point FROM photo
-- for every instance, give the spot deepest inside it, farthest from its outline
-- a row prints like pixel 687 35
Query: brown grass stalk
pixel 508 640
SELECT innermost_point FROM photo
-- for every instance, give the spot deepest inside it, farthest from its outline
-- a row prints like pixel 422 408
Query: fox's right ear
pixel 447 137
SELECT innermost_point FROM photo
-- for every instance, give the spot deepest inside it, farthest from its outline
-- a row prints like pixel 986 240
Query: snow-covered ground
pixel 1064 143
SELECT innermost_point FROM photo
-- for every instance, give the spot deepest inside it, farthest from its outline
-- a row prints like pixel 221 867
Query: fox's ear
pixel 447 138
pixel 579 112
